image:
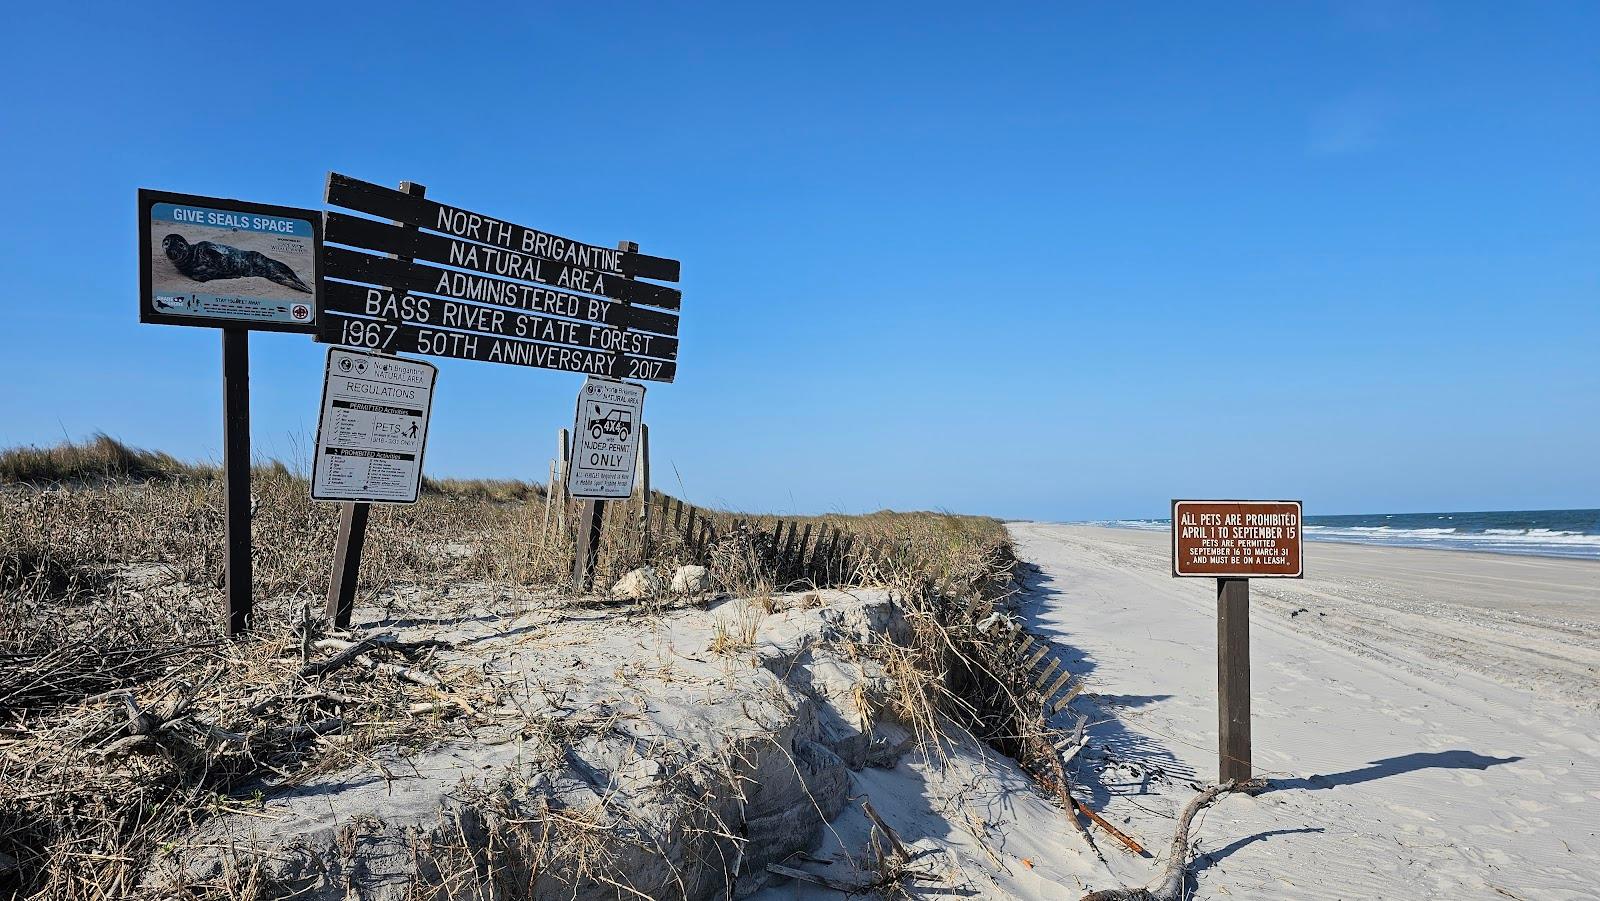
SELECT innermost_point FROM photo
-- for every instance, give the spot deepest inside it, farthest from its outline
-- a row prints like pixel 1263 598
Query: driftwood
pixel 1169 885
pixel 894 839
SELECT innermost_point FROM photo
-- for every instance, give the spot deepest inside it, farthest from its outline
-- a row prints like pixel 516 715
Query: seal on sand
pixel 208 260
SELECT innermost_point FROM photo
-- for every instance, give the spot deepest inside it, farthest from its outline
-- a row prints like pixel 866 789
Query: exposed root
pixel 1168 886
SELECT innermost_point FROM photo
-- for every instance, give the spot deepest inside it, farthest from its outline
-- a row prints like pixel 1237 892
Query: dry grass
pixel 126 717
pixel 98 459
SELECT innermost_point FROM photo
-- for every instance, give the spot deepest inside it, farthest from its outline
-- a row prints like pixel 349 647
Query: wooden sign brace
pixel 353 521
pixel 591 514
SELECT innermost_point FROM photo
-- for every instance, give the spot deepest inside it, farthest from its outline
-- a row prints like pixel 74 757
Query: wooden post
pixel 1233 678
pixel 819 556
pixel 644 491
pixel 347 562
pixel 353 517
pixel 592 514
pixel 565 452
pixel 591 521
pixel 788 549
pixel 798 565
pixel 236 474
pixel 549 494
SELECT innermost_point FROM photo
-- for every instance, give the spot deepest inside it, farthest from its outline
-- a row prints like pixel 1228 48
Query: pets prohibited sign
pixel 1237 539
pixel 209 261
pixel 605 439
pixel 373 429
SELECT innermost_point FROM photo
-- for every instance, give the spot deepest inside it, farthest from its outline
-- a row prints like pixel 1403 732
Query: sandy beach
pixel 1428 719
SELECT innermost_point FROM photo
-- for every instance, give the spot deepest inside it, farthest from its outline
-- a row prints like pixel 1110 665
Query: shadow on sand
pixel 1127 761
pixel 1394 766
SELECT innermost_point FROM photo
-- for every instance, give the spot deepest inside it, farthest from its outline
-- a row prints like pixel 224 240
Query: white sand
pixel 1430 721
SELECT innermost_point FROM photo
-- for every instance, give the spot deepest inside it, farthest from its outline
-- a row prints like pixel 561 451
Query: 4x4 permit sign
pixel 605 439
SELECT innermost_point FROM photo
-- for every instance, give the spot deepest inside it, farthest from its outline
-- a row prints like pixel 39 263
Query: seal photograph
pixel 207 261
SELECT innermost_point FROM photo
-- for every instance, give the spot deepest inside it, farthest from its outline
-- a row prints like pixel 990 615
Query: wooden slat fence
pixel 796 553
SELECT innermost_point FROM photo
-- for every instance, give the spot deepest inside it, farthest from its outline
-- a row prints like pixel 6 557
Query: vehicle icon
pixel 617 422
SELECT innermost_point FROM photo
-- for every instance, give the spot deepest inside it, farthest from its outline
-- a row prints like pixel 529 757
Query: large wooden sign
pixel 511 294
pixel 210 261
pixel 1237 539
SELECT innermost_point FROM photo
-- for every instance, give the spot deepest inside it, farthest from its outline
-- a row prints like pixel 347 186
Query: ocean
pixel 1542 533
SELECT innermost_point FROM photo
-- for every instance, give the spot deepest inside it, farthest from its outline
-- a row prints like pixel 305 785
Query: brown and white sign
pixel 1237 539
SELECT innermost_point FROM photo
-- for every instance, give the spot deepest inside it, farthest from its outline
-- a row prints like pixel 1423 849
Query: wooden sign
pixel 500 292
pixel 388 203
pixel 385 238
pixel 210 261
pixel 1237 539
pixel 403 337
pixel 337 262
pixel 438 312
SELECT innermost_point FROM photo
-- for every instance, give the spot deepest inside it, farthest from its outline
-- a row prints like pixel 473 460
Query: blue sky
pixel 1058 261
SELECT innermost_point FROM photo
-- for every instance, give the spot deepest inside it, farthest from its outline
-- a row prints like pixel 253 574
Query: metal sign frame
pixel 1299 540
pixel 422 450
pixel 148 313
pixel 583 428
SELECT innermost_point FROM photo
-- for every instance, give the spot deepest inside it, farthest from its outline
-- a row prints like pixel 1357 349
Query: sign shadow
pixel 1394 766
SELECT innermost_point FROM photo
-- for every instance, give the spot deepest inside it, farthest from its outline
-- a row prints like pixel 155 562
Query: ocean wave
pixel 1536 541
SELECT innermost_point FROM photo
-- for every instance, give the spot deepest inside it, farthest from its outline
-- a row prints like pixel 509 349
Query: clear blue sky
pixel 1062 261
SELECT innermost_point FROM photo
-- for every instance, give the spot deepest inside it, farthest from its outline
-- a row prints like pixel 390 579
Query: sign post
pixel 352 537
pixel 1235 541
pixel 240 602
pixel 240 267
pixel 448 282
pixel 607 426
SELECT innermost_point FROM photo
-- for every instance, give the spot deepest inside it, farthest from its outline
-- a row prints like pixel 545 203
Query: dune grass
pixel 111 582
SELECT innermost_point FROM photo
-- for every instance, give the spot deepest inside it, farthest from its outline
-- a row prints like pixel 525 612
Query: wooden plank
pixel 1077 689
pixel 421 278
pixel 800 553
pixel 471 318
pixel 1038 655
pixel 1043 677
pixel 787 553
pixel 1233 679
pixel 1055 686
pixel 777 543
pixel 355 194
pixel 399 337
pixel 341 228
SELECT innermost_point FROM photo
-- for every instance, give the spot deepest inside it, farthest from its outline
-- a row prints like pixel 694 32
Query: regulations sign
pixel 1237 539
pixel 373 429
pixel 213 262
pixel 511 294
pixel 605 439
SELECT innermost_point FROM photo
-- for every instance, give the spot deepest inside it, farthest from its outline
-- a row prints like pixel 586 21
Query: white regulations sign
pixel 605 439
pixel 373 429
